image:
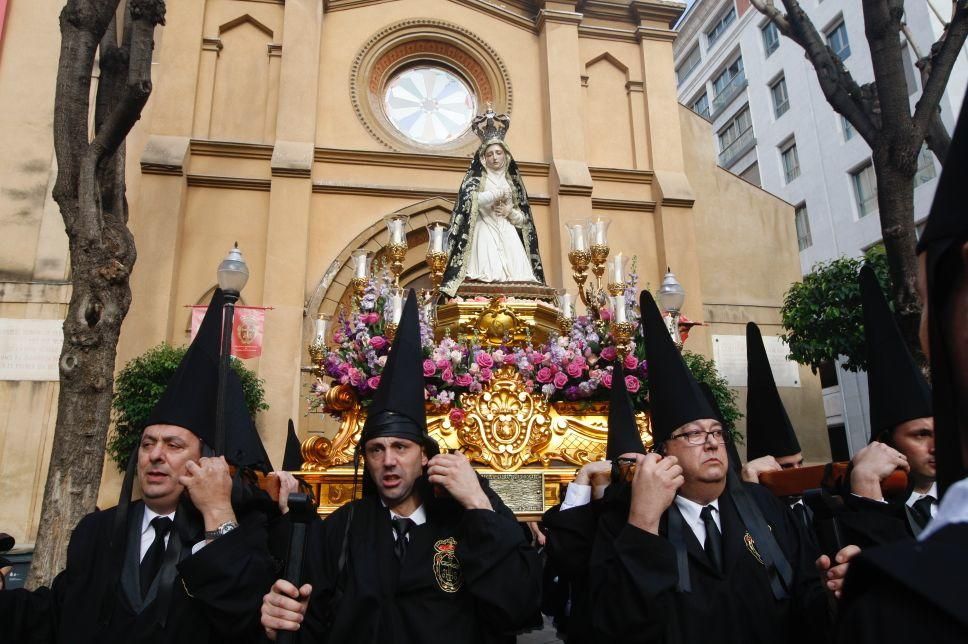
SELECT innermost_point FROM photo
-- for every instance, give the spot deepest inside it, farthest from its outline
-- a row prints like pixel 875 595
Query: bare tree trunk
pixel 881 114
pixel 90 191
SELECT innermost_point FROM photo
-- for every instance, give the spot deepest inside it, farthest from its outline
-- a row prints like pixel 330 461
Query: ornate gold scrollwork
pixel 499 324
pixel 506 426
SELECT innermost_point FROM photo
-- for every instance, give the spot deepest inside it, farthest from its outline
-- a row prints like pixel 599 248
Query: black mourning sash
pixel 677 537
pixel 781 575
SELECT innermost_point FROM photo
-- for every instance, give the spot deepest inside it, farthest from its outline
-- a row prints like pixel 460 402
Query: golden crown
pixel 490 127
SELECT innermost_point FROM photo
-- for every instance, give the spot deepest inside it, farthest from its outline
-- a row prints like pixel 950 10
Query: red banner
pixel 247 329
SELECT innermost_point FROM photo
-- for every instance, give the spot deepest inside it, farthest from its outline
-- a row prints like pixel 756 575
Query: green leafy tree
pixel 141 383
pixel 704 370
pixel 822 315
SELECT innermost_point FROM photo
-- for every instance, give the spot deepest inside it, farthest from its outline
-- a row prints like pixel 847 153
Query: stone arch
pixel 332 290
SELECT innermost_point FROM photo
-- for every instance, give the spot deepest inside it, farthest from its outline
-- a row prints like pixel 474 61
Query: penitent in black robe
pixel 469 576
pixel 633 579
pixel 909 592
pixel 87 602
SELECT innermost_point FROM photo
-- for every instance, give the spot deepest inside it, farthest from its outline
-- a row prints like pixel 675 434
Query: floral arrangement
pixel 575 368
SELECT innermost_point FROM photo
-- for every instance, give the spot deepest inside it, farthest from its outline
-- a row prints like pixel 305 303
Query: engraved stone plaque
pixel 30 349
pixel 729 353
pixel 522 492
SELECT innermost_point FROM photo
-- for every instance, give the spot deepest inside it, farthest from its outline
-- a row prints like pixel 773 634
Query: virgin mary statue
pixel 492 236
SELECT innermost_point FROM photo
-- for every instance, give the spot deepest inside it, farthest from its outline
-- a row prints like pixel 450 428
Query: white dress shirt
pixel 690 512
pixel 419 517
pixel 576 495
pixel 917 496
pixel 148 532
pixel 953 509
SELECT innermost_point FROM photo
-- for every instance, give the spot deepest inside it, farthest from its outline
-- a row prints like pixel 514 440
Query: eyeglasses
pixel 698 436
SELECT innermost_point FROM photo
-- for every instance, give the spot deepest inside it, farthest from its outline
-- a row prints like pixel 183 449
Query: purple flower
pixel 572 393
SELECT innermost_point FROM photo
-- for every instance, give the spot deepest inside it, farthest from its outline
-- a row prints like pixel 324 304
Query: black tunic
pixel 633 576
pixel 87 604
pixel 421 600
pixel 909 592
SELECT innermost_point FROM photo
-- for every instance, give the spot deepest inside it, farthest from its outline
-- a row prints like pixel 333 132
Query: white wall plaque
pixel 30 349
pixel 729 352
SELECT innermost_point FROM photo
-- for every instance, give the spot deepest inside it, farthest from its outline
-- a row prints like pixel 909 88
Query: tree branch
pixel 943 55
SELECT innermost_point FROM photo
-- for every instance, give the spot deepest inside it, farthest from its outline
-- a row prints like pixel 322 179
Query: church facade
pixel 276 124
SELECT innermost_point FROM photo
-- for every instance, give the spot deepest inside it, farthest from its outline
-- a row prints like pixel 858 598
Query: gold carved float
pixel 527 447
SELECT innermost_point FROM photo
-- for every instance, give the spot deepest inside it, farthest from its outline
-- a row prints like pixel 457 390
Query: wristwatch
pixel 223 529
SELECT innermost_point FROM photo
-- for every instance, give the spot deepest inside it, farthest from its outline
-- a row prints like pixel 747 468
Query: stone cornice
pixel 410 160
pixel 231 149
pixel 662 11
pixel 562 17
pixel 408 192
pixel 620 175
pixel 652 33
pixel 623 204
pixel 678 203
pixel 231 183
pixel 519 13
pixel 607 33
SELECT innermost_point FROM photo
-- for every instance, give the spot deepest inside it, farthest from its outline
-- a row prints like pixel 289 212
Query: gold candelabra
pixel 396 253
pixel 437 262
pixel 593 296
pixel 390 331
pixel 622 332
pixel 358 284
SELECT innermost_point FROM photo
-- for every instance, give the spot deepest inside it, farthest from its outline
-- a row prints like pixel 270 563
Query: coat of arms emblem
pixel 446 566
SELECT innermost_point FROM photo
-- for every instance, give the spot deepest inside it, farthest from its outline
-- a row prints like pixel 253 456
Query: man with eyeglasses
pixel 698 555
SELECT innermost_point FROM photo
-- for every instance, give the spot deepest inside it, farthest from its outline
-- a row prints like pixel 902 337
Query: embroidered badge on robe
pixel 446 566
pixel 751 546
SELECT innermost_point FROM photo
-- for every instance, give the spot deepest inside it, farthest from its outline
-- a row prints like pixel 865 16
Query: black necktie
pixel 921 510
pixel 800 510
pixel 714 540
pixel 401 526
pixel 151 563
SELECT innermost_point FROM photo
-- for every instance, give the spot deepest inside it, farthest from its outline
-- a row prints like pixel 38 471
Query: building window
pixel 722 82
pixel 802 222
pixel 865 189
pixel 429 104
pixel 925 171
pixel 837 39
pixel 847 128
pixel 771 38
pixel 688 64
pixel 701 106
pixel 720 26
pixel 790 160
pixel 735 137
pixel 781 101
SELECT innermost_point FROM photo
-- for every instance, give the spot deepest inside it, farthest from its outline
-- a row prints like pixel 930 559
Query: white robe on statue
pixel 497 254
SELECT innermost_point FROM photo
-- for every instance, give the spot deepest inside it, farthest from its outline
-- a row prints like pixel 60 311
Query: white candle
pixel 566 304
pixel 396 231
pixel 396 306
pixel 361 264
pixel 618 309
pixel 579 240
pixel 617 269
pixel 600 231
pixel 437 234
pixel 322 328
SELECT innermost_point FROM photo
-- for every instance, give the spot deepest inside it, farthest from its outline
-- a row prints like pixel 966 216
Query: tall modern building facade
pixel 772 126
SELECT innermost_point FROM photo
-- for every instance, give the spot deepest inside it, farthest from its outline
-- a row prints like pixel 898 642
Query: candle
pixel 578 232
pixel 396 305
pixel 438 237
pixel 566 304
pixel 396 231
pixel 322 328
pixel 618 309
pixel 361 263
pixel 600 231
pixel 617 268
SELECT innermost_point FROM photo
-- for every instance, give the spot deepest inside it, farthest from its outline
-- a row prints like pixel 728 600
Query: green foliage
pixel 142 382
pixel 704 370
pixel 823 316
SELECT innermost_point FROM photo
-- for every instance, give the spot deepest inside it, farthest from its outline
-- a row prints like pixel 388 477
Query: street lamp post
pixel 232 276
pixel 671 297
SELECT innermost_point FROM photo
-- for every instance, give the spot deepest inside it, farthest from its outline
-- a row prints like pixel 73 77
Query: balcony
pixel 740 146
pixel 728 93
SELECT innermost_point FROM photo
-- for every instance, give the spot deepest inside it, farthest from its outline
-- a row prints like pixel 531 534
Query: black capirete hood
pixel 769 431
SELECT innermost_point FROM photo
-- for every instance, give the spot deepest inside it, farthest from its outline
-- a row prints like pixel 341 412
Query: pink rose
pixel 529 386
pixel 543 375
pixel 486 374
pixel 498 357
pixel 373 382
pixel 609 353
pixel 356 377
pixel 574 369
pixel 443 364
pixel 429 368
pixel 632 384
pixel 607 379
pixel 606 314
pixel 378 342
pixel 484 360
pixel 463 380
pixel 447 376
pixel 370 318
pixel 560 380
pixel 631 362
pixel 457 416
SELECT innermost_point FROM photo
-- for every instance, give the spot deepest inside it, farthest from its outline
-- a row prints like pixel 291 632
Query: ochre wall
pixel 252 135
